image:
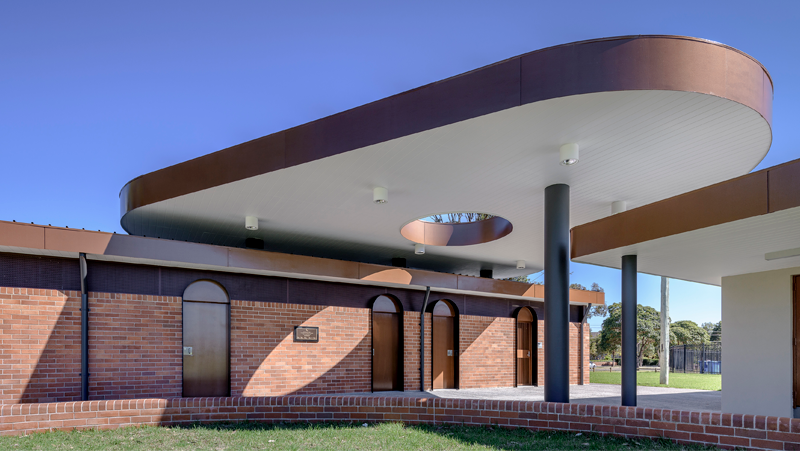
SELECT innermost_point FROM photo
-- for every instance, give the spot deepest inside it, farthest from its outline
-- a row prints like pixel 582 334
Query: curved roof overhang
pixel 663 97
pixel 744 225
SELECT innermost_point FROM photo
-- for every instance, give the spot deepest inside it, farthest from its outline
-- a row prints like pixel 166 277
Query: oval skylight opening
pixel 457 218
pixel 456 229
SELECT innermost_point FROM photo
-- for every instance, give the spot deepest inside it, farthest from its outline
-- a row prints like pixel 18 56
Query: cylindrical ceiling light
pixel 618 206
pixel 419 249
pixel 251 223
pixel 520 264
pixel 569 154
pixel 380 195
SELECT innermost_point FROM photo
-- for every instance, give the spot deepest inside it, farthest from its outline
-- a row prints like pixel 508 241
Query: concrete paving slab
pixel 602 394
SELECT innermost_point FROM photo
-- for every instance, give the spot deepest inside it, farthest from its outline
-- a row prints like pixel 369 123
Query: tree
pixel 523 279
pixel 451 218
pixel 596 287
pixel 577 286
pixel 716 333
pixel 687 333
pixel 708 326
pixel 648 328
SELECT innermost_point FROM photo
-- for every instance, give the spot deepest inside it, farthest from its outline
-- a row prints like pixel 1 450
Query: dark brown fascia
pixel 25 238
pixel 672 63
pixel 759 193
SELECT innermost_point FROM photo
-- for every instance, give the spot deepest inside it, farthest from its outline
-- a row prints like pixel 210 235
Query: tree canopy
pixel 648 328
pixel 687 333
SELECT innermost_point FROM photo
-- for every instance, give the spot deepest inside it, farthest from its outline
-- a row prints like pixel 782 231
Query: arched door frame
pixel 534 345
pixel 456 338
pixel 398 309
pixel 209 291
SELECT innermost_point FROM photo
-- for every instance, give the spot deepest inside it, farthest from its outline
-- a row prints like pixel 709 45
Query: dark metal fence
pixel 705 358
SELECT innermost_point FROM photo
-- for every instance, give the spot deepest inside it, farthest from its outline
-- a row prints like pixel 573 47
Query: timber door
pixel 386 345
pixel 527 357
pixel 524 360
pixel 206 351
pixel 443 346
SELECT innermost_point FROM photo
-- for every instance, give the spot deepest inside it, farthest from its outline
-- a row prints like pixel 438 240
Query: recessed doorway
pixel 527 347
pixel 387 342
pixel 444 338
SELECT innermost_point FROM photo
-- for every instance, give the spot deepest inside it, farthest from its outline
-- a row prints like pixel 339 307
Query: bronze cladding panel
pixel 205 330
pixel 524 354
pixel 443 341
pixel 385 348
pixel 728 201
pixel 784 186
pixel 611 64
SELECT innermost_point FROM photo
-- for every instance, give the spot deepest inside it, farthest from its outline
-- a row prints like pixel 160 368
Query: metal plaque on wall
pixel 306 334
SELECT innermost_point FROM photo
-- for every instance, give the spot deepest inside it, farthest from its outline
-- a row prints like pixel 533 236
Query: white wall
pixel 757 343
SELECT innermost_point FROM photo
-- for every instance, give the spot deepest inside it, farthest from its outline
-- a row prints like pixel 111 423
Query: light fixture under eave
pixel 380 195
pixel 618 206
pixel 419 249
pixel 520 264
pixel 251 223
pixel 569 154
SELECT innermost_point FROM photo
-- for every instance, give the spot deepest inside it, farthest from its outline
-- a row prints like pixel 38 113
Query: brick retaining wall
pixel 717 429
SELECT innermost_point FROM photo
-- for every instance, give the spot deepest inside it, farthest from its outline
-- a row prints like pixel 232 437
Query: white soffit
pixel 640 146
pixel 707 255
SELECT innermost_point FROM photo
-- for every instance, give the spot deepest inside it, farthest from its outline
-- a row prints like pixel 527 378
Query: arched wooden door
pixel 206 340
pixel 443 340
pixel 527 361
pixel 387 342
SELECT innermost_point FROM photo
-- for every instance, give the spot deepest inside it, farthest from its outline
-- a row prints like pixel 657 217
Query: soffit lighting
pixel 419 249
pixel 251 223
pixel 380 195
pixel 569 154
pixel 618 206
pixel 520 264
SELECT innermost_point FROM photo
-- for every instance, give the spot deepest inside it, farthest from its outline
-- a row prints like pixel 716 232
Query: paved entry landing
pixel 604 394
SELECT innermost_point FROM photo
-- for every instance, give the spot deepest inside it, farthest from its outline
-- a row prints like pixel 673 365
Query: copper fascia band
pixel 759 193
pixel 32 239
pixel 626 63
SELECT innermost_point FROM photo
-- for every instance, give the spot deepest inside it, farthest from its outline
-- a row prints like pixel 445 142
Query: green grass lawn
pixel 651 378
pixel 392 436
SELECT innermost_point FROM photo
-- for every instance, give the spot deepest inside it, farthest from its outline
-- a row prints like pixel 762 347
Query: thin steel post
pixel 629 310
pixel 583 324
pixel 556 295
pixel 84 329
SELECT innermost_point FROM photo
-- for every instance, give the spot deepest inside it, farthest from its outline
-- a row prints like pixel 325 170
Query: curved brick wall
pixel 717 429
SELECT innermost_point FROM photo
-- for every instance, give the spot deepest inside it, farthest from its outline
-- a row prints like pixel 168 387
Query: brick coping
pixel 712 428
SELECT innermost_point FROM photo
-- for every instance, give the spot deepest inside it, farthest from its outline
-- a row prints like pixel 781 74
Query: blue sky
pixel 93 94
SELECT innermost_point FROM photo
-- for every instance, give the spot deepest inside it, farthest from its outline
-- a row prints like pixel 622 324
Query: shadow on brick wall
pixel 42 348
pixel 266 361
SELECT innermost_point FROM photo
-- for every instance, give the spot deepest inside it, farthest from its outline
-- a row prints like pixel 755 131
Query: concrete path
pixel 605 394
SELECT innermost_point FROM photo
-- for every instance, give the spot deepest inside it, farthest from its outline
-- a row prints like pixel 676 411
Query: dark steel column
pixel 629 310
pixel 84 329
pixel 556 293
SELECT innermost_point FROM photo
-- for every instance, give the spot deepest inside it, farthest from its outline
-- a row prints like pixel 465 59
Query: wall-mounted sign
pixel 306 334
pixel 539 345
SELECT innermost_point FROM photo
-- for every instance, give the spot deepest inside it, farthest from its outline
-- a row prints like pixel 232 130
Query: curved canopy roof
pixel 654 116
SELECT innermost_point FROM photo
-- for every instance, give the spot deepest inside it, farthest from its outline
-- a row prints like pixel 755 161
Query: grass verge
pixel 650 379
pixel 394 436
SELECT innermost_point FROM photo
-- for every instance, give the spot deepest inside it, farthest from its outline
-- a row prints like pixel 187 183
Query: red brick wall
pixel 487 351
pixel 265 361
pixel 574 353
pixel 40 358
pixel 134 346
pixel 712 428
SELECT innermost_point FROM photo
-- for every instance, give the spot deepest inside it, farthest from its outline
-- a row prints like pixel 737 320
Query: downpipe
pixel 422 340
pixel 583 324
